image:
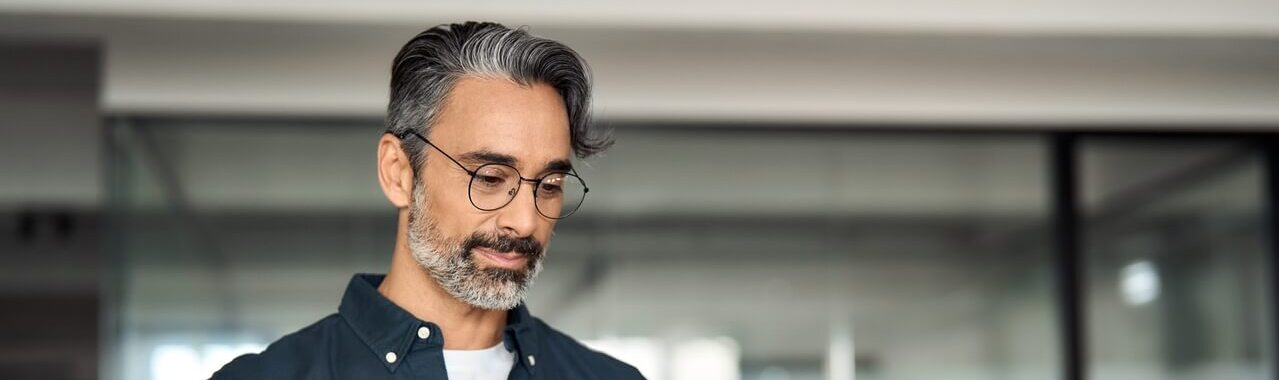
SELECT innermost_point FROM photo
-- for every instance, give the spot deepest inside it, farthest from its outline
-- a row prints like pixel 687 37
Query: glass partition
pixel 1177 257
pixel 701 253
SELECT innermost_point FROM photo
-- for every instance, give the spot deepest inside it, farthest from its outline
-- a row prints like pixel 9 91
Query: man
pixel 482 124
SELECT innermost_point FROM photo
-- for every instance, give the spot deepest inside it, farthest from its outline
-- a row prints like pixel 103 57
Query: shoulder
pixel 294 356
pixel 576 357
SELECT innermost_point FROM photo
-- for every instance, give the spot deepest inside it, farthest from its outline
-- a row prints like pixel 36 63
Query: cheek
pixel 453 213
pixel 545 234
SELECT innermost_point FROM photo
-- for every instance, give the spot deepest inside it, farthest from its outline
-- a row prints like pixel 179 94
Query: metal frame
pixel 1063 153
pixel 475 174
pixel 1270 150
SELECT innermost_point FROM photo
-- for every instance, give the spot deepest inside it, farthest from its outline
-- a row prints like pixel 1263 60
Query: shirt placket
pixel 425 356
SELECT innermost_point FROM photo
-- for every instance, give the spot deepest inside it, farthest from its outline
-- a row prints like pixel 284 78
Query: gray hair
pixel 428 66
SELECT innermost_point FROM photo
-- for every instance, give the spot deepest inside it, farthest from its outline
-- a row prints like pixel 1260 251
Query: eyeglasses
pixel 556 195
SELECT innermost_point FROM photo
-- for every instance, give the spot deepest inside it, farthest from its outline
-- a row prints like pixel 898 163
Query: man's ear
pixel 394 171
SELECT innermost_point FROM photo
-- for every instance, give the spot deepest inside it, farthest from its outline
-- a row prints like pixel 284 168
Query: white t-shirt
pixel 493 363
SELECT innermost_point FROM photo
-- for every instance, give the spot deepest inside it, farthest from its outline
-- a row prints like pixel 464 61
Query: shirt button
pixel 423 332
pixel 531 361
pixel 390 357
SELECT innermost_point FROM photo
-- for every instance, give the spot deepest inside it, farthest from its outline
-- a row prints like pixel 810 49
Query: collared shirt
pixel 372 338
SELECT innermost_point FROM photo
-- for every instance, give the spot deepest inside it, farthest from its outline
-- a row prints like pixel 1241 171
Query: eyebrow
pixel 558 166
pixel 484 156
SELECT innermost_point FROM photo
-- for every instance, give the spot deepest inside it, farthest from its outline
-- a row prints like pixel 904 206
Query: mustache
pixel 526 246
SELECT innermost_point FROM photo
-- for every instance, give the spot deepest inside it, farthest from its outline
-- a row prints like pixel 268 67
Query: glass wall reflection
pixel 1176 255
pixel 701 253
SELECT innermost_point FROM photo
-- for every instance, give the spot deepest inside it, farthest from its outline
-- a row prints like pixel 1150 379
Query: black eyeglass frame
pixel 535 181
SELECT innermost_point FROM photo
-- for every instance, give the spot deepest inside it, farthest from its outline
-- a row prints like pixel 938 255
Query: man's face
pixel 487 258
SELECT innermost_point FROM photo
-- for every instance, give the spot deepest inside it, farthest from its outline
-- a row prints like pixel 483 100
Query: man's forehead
pixel 499 121
pixel 524 152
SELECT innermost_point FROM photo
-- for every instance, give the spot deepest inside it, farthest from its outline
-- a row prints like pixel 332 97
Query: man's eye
pixel 551 189
pixel 490 180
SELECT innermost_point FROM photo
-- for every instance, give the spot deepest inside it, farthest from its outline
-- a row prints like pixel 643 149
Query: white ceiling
pixel 1143 17
pixel 1137 64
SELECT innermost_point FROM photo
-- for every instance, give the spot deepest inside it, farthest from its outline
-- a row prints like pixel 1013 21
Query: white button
pixel 423 332
pixel 531 361
pixel 390 357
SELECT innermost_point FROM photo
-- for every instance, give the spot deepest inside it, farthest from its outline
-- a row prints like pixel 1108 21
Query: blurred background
pixel 875 190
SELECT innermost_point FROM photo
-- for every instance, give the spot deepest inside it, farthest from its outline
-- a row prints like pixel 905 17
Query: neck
pixel 411 287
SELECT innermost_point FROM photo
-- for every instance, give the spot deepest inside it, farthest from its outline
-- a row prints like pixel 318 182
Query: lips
pixel 508 260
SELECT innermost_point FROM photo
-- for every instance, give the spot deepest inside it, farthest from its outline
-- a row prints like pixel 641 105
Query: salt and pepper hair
pixel 429 65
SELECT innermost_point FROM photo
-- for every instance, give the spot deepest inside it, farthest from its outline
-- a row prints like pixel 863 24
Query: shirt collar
pixel 386 328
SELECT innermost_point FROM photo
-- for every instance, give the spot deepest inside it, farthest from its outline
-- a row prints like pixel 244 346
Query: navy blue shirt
pixel 372 338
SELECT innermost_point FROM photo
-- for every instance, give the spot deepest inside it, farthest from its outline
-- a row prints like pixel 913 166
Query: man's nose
pixel 520 217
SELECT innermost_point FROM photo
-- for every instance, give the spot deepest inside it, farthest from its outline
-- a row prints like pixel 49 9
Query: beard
pixel 452 263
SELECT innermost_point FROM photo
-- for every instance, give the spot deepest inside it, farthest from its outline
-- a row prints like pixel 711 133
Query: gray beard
pixel 455 270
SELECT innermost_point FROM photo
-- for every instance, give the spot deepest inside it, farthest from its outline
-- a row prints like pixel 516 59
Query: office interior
pixel 810 190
